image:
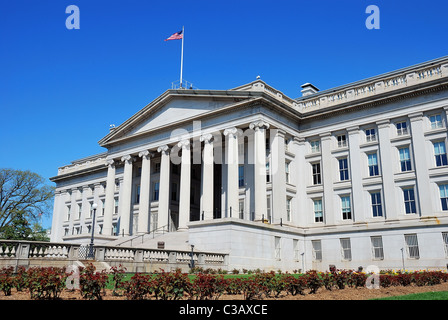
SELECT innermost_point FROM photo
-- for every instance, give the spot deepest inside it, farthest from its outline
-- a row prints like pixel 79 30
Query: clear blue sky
pixel 60 89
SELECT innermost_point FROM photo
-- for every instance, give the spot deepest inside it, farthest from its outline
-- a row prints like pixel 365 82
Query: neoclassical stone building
pixel 353 176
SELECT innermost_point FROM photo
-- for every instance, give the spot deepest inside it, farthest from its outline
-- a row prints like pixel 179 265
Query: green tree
pixel 24 197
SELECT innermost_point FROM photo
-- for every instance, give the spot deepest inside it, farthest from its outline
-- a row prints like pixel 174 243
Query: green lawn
pixel 440 295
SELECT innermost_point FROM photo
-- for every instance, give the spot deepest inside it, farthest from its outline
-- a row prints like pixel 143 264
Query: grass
pixel 439 295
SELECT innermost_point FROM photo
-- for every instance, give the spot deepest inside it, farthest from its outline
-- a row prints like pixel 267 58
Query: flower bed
pixel 49 283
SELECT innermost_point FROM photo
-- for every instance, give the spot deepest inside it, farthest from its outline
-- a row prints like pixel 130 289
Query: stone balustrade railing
pixel 107 254
pixel 373 87
pixel 27 253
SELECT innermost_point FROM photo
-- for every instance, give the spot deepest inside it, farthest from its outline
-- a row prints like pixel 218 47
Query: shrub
pixel 139 287
pixel 328 280
pixel 92 283
pixel 358 279
pixel 252 290
pixel 207 287
pixel 171 285
pixel 20 279
pixel 295 285
pixel 313 280
pixel 234 285
pixel 46 282
pixel 6 280
pixel 117 278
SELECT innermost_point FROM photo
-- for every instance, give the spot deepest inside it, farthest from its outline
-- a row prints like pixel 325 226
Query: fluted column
pixel 185 184
pixel 231 135
pixel 207 177
pixel 389 207
pixel 164 186
pixel 423 189
pixel 358 211
pixel 278 175
pixel 259 128
pixel 144 203
pixel 125 201
pixel 110 198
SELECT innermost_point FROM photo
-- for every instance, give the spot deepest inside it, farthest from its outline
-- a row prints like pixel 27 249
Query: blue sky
pixel 60 89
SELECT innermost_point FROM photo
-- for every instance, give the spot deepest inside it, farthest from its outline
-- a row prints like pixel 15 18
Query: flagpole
pixel 182 56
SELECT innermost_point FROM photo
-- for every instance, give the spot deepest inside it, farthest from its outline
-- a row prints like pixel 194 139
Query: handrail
pixel 143 234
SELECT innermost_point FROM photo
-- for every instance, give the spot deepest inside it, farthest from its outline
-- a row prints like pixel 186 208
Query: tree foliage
pixel 24 197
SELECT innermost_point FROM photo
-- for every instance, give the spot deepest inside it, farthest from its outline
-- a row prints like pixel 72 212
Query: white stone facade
pixel 351 176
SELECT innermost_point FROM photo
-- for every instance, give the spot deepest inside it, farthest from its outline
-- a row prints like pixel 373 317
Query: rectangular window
pixel 405 159
pixel 317 179
pixel 287 171
pixel 268 176
pixel 241 176
pixel 402 128
pixel 288 208
pixel 343 169
pixel 346 249
pixel 377 248
pixel 346 208
pixel 241 208
pixel 315 146
pixel 69 208
pixel 444 196
pixel 373 164
pixel 370 135
pixel 157 167
pixel 268 211
pixel 116 204
pixel 295 246
pixel 318 213
pixel 440 154
pixel 317 250
pixel 412 246
pixel 155 195
pixel 137 195
pixel 79 210
pixel 278 248
pixel 377 210
pixel 103 207
pixel 436 121
pixel 342 141
pixel 445 242
pixel 409 201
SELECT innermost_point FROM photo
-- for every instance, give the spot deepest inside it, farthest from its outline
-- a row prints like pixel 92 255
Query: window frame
pixel 374 169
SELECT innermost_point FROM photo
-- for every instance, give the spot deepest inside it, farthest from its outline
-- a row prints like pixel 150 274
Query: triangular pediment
pixel 177 110
pixel 170 109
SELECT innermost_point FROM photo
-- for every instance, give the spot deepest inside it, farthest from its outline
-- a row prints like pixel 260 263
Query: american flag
pixel 176 36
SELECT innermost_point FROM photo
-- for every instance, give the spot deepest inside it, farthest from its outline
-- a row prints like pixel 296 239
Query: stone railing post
pixel 100 253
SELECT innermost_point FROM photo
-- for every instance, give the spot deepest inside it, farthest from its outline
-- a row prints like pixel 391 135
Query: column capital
pixel 207 138
pixel 299 140
pixel 184 143
pixel 110 162
pixel 128 158
pixel 260 124
pixel 383 123
pixel 416 116
pixel 163 149
pixel 325 136
pixel 353 130
pixel 146 153
pixel 234 131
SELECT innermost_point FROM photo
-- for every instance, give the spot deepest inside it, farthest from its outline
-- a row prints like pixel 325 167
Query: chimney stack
pixel 308 88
